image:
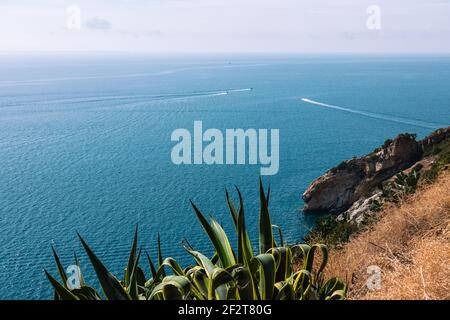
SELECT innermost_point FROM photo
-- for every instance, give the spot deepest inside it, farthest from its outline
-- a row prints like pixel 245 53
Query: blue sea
pixel 85 145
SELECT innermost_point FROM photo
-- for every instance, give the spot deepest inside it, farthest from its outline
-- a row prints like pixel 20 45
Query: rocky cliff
pixel 338 189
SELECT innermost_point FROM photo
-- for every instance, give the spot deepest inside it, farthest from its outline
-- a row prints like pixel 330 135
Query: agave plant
pixel 402 185
pixel 242 274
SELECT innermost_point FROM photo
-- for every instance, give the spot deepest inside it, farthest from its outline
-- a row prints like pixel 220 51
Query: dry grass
pixel 411 245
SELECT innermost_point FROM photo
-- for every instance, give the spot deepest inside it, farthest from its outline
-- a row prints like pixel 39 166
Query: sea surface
pixel 85 145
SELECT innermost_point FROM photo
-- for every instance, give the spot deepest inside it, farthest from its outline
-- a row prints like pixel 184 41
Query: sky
pixel 226 26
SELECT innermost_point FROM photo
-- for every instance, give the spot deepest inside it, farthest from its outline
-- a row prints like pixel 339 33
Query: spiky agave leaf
pixel 160 256
pixel 307 253
pixel 172 288
pixel 246 290
pixel 112 288
pixel 131 259
pixel 333 289
pixel 132 288
pixel 233 212
pixel 60 268
pixel 302 284
pixel 245 251
pixel 86 293
pixel 264 265
pixel 310 258
pixel 77 263
pixel 283 259
pixel 221 278
pixel 63 292
pixel 280 234
pixel 151 265
pixel 200 282
pixel 265 226
pixel 215 277
pixel 158 276
pixel 284 291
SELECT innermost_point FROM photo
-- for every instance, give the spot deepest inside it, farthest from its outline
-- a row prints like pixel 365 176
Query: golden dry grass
pixel 411 245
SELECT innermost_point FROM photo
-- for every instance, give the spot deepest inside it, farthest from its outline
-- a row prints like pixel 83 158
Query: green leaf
pixel 280 233
pixel 333 289
pixel 160 257
pixel 245 252
pixel 265 264
pixel 265 226
pixel 216 276
pixel 285 291
pixel 172 288
pixel 131 259
pixel 204 262
pixel 214 258
pixel 220 278
pixel 310 258
pixel 60 267
pixel 77 263
pixel 302 284
pixel 233 212
pixel 112 288
pixel 200 282
pixel 218 238
pixel 283 259
pixel 132 288
pixel 172 264
pixel 244 283
pixel 151 265
pixel 337 295
pixel 62 291
pixel 86 293
pixel 171 292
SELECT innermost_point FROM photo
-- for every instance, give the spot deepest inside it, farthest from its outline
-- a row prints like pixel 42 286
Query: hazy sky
pixel 287 26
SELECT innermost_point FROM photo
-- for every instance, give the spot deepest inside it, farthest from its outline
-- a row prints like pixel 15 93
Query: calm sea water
pixel 85 145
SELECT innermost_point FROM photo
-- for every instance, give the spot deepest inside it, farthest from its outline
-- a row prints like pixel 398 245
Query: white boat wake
pixel 417 123
pixel 240 90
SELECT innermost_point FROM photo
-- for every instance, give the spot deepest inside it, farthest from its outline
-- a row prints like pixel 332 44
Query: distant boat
pixel 237 90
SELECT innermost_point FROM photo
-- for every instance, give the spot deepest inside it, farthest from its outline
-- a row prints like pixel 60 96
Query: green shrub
pixel 441 152
pixel 376 206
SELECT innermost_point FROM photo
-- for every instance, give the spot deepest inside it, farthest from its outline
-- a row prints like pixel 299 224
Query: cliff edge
pixel 339 188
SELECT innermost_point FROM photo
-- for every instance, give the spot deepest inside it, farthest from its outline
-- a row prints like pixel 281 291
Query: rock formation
pixel 434 138
pixel 353 180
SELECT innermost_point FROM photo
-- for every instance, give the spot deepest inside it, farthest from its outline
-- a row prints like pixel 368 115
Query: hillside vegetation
pixel 241 273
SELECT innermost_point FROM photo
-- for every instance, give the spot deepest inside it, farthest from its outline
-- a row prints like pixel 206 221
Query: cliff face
pixel 340 187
